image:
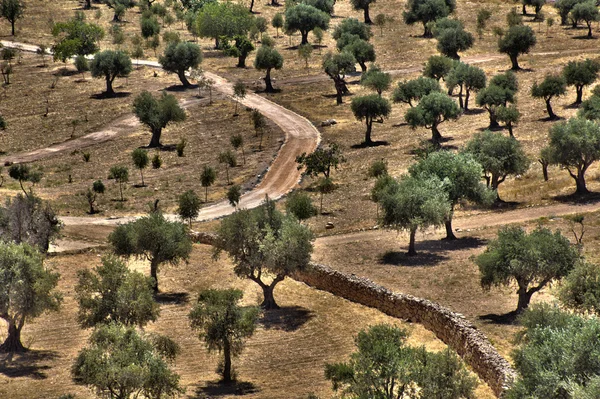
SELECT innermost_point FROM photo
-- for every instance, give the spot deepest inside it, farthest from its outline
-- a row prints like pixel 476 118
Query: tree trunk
pixel 524 10
pixel 142 175
pixel 339 91
pixel 304 37
pixel 580 182
pixel 579 90
pixel 12 27
pixel 227 171
pixel 367 17
pixel 589 35
pixel 88 4
pixel 467 95
pixel 12 343
pixel 206 194
pixel 524 299
pixel 551 113
pixel 269 300
pixel 109 89
pixel 251 6
pixel 448 224
pixel 427 31
pixel 411 243
pixel 183 78
pixel 226 361
pixel 155 141
pixel 241 61
pixel 321 205
pixel 544 164
pixel 493 119
pixel 368 140
pixel 515 62
pixel 121 190
pixel 154 274
pixel 461 104
pixel 268 85
pixel 510 129
pixel 363 66
pixel 436 137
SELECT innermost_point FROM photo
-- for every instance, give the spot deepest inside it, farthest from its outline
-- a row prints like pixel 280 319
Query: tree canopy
pixel 415 89
pixel 75 37
pixel 586 11
pixel 179 57
pixel 519 39
pixel 370 108
pixel 552 86
pixel 364 6
pixel 452 37
pixel 426 12
pixel 267 59
pixel 109 65
pixel 223 19
pixel 376 80
pixel 581 74
pixel 437 67
pixel 12 10
pixel 321 160
pixel 433 109
pixel 336 66
pixel 157 113
pixel 304 18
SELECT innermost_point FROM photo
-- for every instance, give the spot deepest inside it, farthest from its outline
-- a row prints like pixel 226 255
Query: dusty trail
pixel 300 136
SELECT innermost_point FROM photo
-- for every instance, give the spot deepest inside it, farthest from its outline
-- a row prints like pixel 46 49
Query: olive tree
pixel 509 115
pixel 300 205
pixel 179 57
pixel 415 89
pixel 551 86
pixel 227 158
pixel 140 159
pixel 336 66
pixel 207 179
pixel 321 160
pixel 267 59
pixel 188 206
pixel 157 113
pixel 581 74
pixel 223 324
pixel 234 195
pixel 499 156
pixel 370 108
pixel 438 67
pixel 26 290
pixel 575 145
pixel 469 79
pixel 265 246
pixel 352 27
pixel 362 51
pixel 452 37
pixel 461 174
pixel 110 64
pixel 364 6
pixel 223 19
pixel 121 175
pixel 519 39
pixel 433 109
pixel 111 293
pixel 12 10
pixel 531 260
pixel 376 80
pixel 152 238
pixel 412 203
pixel 426 12
pixel 493 97
pixel 304 18
pixel 24 173
pixel 586 11
pixel 75 37
pixel 241 48
pixel 92 194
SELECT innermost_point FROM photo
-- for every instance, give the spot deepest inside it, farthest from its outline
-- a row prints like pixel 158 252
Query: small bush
pixel 86 156
pixel 181 147
pixel 156 161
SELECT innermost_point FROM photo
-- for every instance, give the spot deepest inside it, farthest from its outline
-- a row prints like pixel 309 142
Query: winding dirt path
pixel 282 176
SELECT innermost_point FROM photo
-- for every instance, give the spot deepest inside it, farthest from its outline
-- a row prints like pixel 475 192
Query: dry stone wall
pixel 450 327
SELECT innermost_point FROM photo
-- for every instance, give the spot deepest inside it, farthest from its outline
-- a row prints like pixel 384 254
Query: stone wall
pixel 450 327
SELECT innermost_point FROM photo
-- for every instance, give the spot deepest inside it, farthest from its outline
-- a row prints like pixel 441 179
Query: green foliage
pixel 300 205
pixel 149 26
pixel 26 290
pixel 140 159
pixel 228 158
pixel 362 51
pixel 378 168
pixel 121 175
pixel 305 51
pixel 92 193
pixel 370 108
pixel 384 367
pixel 501 90
pixel 380 20
pixel 157 113
pixel 268 58
pixel 304 18
pixel 509 115
pixel 75 37
pixel 376 80
pixel 234 194
pixel 277 22
pixel 469 78
pixel 188 206
pixel 586 11
pixel 337 66
pixel 263 242
pixel 452 37
pixel 551 86
pixel 433 109
pixel 223 19
pixel 121 363
pixel 519 39
pixel 24 173
pixel 12 10
pixel 427 11
pixel 580 289
pixel 564 8
pixel 581 74
pixel 179 57
pixel 575 145
pixel 483 16
pixel 415 89
pixel 531 260
pixel 153 238
pixel 437 67
pixel 352 26
pixel 499 156
pixel 241 48
pixel 109 65
pixel 590 108
pixel 324 5
pixel 81 64
pixel 321 161
pixel 112 293
pixel 207 179
pixel 223 324
pixel 171 37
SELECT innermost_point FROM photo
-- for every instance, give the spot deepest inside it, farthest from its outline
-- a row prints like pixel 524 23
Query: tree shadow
pixel 105 96
pixel 288 318
pixel 548 119
pixel 400 124
pixel 65 72
pixel 395 258
pixel 584 37
pixel 26 364
pixel 172 298
pixel 500 204
pixel 572 106
pixel 577 198
pixel 218 389
pixel 458 244
pixel 371 144
pixel 181 88
pixel 476 111
pixel 509 318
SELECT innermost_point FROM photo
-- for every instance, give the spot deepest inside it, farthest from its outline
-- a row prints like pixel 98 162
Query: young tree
pixel 580 289
pixel 241 48
pixel 300 205
pixel 324 186
pixel 277 22
pixel 237 142
pixel 551 86
pixel 581 74
pixel 437 67
pixel 509 115
pixel 263 242
pixel 432 110
pixel 370 108
pixel 149 26
pixel 531 260
pixel 493 97
pixel 223 324
pixel 12 10
pixel 152 238
pixel 179 57
pixel 564 8
pixel 364 6
pixel 352 27
pixel 81 64
pixel 92 194
pixel 189 206
pixel 23 173
pixel 228 158
pixel 415 90
pixel 267 59
pixel 376 80
pixel 519 39
pixel 483 16
pixel 121 176
pixel 111 293
pixel 336 66
pixel 121 363
pixel 461 174
pixel 109 65
pixel 26 290
pixel 426 12
pixel 412 203
pixel 575 145
pixel 586 11
pixel 304 18
pixel 75 37
pixel 140 159
pixel 207 179
pixel 499 156
pixel 380 21
pixel 157 113
pixel 452 37
pixel 305 51
pixel 234 195
pixel 321 160
pixel 474 80
pixel 239 93
pixel 384 364
pixel 362 51
pixel 223 19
